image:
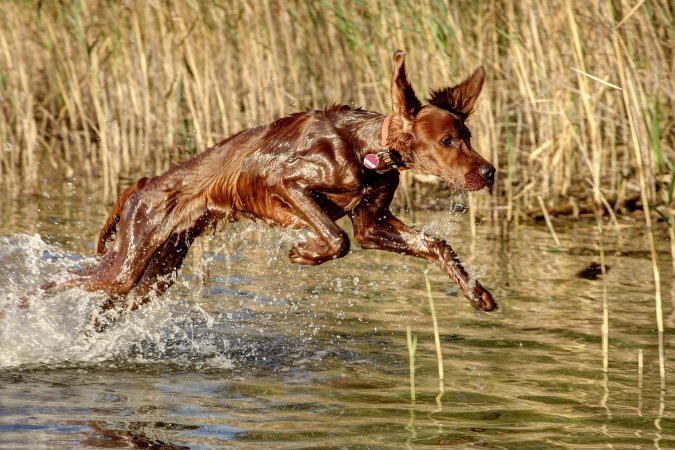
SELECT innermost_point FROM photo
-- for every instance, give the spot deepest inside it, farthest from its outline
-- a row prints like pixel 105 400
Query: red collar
pixel 385 130
pixel 387 158
pixel 388 155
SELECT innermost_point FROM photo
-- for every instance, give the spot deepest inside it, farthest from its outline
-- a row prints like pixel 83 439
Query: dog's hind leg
pixel 110 227
pixel 142 231
pixel 158 276
pixel 161 271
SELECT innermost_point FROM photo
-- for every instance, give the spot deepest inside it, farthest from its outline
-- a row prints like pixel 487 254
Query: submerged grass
pixel 103 91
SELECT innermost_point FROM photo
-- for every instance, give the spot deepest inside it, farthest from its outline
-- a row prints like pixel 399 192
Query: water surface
pixel 250 351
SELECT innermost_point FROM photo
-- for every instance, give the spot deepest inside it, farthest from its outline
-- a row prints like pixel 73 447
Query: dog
pixel 303 171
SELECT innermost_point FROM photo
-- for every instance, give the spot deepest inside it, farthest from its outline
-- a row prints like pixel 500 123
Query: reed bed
pixel 105 91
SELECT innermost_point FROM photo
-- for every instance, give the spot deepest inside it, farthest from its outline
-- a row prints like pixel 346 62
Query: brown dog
pixel 302 171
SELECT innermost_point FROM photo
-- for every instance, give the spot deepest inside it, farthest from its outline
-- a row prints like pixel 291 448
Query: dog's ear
pixel 461 98
pixel 403 99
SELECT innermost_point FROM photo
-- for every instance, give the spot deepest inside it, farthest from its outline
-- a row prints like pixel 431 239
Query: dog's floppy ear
pixel 403 99
pixel 460 99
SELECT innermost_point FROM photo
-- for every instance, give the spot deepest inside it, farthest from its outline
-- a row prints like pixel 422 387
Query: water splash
pixel 50 331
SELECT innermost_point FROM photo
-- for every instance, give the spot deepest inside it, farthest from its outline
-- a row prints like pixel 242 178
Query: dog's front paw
pixel 308 253
pixel 314 252
pixel 481 299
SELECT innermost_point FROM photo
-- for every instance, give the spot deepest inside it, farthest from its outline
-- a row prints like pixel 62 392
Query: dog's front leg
pixel 384 231
pixel 299 204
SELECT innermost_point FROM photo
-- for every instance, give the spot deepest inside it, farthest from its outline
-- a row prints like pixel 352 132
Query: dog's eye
pixel 447 140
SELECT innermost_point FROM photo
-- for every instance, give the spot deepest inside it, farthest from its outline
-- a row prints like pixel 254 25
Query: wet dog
pixel 303 171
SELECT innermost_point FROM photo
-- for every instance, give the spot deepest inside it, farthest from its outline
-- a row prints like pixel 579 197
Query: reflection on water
pixel 249 350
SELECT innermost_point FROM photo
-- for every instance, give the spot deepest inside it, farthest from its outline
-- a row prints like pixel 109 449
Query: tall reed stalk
pixel 630 99
pixel 105 91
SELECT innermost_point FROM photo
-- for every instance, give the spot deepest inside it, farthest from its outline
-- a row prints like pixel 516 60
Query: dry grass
pixel 103 91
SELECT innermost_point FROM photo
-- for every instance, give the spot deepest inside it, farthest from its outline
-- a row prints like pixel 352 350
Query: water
pixel 249 351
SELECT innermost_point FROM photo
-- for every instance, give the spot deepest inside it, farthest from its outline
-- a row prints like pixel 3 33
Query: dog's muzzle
pixel 488 172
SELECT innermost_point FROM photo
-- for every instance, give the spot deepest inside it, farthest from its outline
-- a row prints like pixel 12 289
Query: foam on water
pixel 50 331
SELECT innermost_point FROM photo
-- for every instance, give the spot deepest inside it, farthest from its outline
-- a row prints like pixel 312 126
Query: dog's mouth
pixel 475 180
pixel 471 183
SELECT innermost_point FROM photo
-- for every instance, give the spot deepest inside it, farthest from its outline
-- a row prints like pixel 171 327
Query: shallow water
pixel 250 351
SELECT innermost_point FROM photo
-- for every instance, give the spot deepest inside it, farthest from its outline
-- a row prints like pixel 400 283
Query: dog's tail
pixel 110 227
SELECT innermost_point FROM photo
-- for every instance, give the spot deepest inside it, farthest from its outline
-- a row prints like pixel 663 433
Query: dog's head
pixel 433 138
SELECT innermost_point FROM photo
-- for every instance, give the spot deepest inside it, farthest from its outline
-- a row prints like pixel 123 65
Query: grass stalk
pixel 412 349
pixel 605 302
pixel 605 318
pixel 437 336
pixel 549 224
pixel 630 103
pixel 640 381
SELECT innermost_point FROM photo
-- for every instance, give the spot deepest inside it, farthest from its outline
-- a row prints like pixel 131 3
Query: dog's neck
pixel 388 155
pixel 367 132
pixel 377 131
pixel 385 131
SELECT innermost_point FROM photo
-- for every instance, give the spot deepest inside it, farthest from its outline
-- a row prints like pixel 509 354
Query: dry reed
pixel 638 143
pixel 105 91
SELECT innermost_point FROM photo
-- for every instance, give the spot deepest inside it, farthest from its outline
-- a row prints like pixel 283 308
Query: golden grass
pixel 108 90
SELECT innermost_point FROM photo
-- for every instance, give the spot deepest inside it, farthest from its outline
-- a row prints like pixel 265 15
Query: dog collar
pixel 386 159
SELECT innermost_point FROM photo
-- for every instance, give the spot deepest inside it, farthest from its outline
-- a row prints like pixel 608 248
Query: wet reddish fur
pixel 301 171
pixel 110 227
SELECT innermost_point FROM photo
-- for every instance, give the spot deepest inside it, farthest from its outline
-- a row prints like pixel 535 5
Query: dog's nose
pixel 488 172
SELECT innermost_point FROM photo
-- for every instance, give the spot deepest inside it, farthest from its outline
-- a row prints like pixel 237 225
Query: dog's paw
pixel 309 253
pixel 314 252
pixel 481 299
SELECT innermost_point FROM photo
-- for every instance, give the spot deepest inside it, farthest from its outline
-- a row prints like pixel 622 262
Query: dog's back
pixel 240 175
